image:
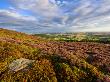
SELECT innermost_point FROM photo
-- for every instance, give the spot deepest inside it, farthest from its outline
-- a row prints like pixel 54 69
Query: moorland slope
pixel 54 61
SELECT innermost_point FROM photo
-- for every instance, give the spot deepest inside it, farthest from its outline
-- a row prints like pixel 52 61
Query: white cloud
pixel 104 7
pixel 41 7
pixel 49 15
pixel 15 14
pixel 97 29
pixel 84 8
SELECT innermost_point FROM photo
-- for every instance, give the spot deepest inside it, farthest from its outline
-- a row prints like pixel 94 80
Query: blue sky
pixel 40 16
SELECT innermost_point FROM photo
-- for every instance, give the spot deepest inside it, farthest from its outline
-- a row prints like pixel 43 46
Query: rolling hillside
pixel 27 58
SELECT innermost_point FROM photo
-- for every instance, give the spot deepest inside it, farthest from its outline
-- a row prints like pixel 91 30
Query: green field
pixel 77 37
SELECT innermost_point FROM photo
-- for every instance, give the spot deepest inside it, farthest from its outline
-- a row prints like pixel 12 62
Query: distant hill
pixel 52 61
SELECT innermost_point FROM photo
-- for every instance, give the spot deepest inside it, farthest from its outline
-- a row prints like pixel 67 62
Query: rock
pixel 20 64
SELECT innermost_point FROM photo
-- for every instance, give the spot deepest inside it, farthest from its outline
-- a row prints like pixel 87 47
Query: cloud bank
pixel 34 16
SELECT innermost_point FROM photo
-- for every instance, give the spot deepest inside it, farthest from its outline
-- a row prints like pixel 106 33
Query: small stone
pixel 20 64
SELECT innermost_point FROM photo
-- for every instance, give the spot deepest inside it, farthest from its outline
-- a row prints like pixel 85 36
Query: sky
pixel 51 16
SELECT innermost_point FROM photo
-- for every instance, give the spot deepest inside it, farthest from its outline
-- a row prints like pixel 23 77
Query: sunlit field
pixel 38 59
